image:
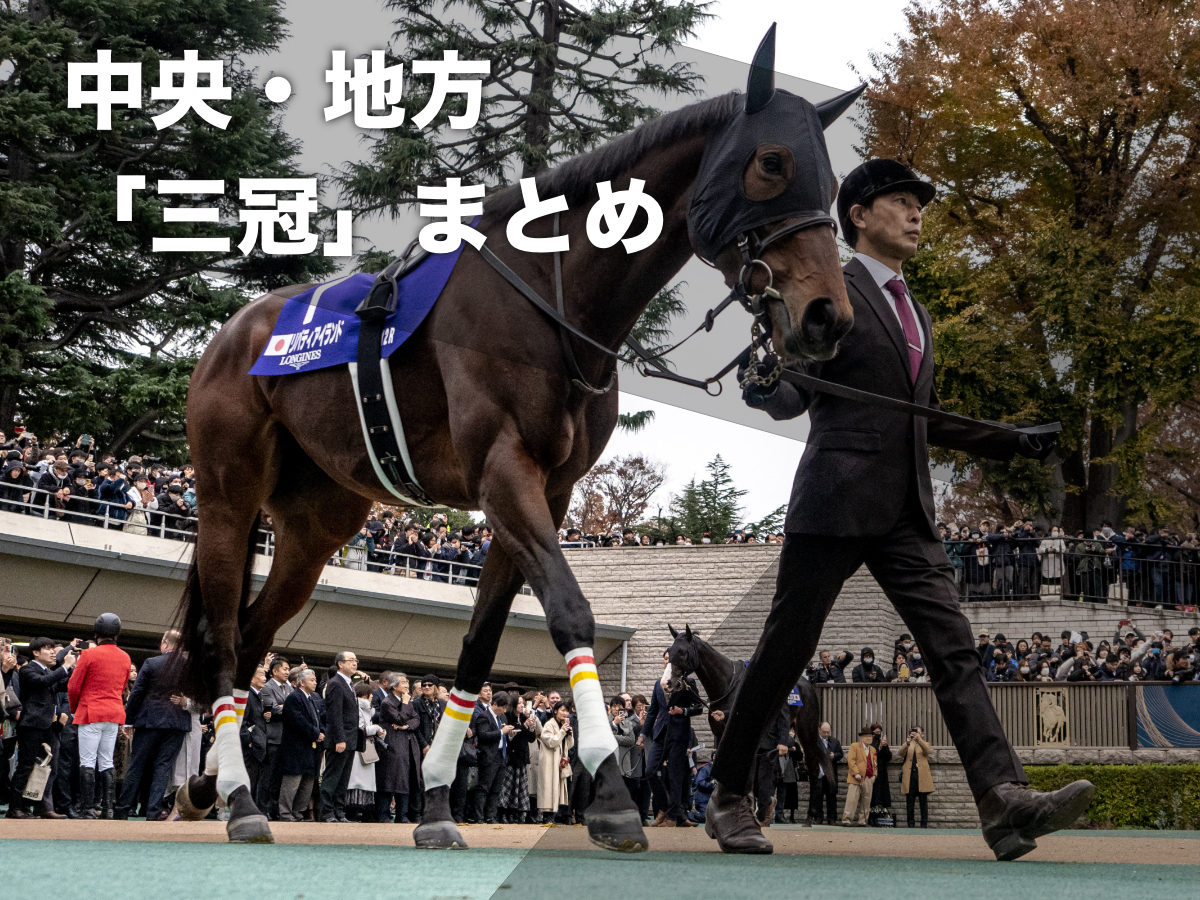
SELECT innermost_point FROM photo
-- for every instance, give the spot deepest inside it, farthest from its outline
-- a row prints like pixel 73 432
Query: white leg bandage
pixel 231 768
pixel 595 741
pixel 441 762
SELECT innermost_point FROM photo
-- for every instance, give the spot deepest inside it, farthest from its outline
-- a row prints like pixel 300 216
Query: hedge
pixel 1150 795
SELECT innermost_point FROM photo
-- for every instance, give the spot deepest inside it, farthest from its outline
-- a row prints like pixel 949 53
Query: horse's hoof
pixel 190 799
pixel 247 824
pixel 619 831
pixel 438 836
pixel 249 830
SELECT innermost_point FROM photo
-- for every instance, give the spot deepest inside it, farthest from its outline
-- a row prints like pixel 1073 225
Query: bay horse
pixel 721 677
pixel 494 418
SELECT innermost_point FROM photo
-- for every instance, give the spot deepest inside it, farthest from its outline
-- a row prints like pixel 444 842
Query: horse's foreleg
pixel 221 552
pixel 498 584
pixel 526 525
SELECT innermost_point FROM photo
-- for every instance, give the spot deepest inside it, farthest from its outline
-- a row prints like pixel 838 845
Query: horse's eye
pixel 772 164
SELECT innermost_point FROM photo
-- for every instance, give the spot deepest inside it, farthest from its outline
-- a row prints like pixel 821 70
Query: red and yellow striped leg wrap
pixel 595 741
pixel 227 720
pixel 441 762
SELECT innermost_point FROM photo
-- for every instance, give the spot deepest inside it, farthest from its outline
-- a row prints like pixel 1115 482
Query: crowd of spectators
pixel 352 751
pixel 1129 656
pixel 141 495
pixel 1142 566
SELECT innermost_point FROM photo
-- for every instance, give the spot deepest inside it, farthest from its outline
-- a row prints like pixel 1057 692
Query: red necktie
pixel 870 768
pixel 912 333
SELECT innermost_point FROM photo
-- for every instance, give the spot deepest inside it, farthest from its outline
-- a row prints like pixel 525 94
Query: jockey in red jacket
pixel 96 693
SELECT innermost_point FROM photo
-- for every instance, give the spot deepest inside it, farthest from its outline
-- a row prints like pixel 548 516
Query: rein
pixel 651 365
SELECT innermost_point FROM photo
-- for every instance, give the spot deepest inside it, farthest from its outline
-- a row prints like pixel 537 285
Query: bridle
pixel 650 365
pixel 384 293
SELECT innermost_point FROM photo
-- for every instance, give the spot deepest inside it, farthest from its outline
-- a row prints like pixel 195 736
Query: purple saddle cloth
pixel 318 328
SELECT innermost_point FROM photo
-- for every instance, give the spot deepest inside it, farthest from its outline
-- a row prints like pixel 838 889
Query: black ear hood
pixel 720 210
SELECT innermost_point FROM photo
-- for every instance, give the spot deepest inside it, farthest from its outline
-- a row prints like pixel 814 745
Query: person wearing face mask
pixel 1153 664
pixel 140 495
pixel 867 671
pixel 360 791
pixel 916 659
pixel 1045 670
pixel 1051 552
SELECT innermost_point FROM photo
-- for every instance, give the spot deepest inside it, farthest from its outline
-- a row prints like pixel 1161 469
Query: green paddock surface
pixel 180 861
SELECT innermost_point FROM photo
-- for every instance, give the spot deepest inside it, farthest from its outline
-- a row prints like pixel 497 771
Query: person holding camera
pixel 39 682
pixel 916 779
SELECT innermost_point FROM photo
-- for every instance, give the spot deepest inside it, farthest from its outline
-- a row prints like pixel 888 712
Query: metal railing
pixel 1047 715
pixel 113 515
pixel 109 514
pixel 1096 571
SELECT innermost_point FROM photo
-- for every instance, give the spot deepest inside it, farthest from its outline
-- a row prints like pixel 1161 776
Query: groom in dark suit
pixel 863 495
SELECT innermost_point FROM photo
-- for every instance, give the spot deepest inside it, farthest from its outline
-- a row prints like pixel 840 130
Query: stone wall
pixel 724 593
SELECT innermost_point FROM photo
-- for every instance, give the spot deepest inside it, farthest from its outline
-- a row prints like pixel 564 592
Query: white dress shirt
pixel 882 275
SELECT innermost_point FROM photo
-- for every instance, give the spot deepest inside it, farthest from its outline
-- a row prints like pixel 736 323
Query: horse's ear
pixel 687 629
pixel 674 633
pixel 760 86
pixel 830 110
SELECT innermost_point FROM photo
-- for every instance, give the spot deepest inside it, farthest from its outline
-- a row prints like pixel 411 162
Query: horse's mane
pixel 576 178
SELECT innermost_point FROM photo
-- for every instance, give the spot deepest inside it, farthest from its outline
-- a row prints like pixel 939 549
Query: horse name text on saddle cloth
pixel 318 329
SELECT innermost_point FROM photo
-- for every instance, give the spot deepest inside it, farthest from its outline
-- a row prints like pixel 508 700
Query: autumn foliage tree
pixel 616 492
pixel 1060 262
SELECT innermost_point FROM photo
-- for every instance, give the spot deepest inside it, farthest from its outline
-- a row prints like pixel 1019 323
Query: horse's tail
pixel 808 728
pixel 192 671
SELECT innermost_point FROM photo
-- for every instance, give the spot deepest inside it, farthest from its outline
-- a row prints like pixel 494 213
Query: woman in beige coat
pixel 916 780
pixel 553 766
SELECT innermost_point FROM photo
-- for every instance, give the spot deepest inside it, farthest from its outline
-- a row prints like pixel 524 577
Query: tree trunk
pixel 541 92
pixel 1074 480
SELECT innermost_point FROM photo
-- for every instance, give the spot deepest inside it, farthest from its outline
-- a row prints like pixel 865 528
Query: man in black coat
pixel 669 729
pixel 161 722
pixel 341 736
pixel 863 494
pixel 491 729
pixel 830 671
pixel 39 682
pixel 254 730
pixel 822 796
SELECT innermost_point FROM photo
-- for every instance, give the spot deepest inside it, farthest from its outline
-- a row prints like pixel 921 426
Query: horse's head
pixel 683 658
pixel 760 211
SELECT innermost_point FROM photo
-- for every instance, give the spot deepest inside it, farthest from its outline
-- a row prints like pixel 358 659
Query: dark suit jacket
pixel 836 755
pixel 299 727
pixel 487 737
pixel 149 704
pixel 661 725
pixel 254 728
pixel 341 714
pixel 39 689
pixel 860 463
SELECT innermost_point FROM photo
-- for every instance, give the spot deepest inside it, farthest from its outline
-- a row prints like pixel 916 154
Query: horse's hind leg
pixel 498 584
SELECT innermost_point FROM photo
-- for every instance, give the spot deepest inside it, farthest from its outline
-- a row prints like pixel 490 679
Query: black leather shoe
pixel 1014 816
pixel 730 819
pixel 15 812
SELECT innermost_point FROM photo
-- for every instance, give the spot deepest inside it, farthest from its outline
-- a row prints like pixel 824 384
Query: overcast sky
pixel 817 42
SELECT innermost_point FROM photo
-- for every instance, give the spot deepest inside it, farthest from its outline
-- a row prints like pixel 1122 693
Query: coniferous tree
pixel 99 334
